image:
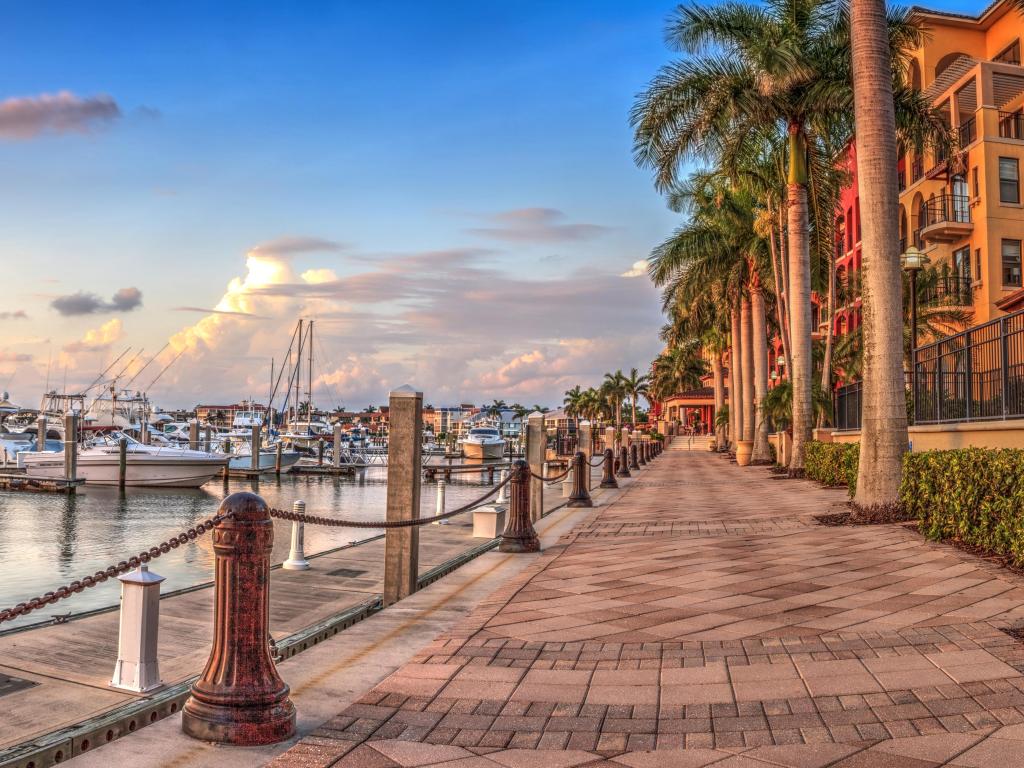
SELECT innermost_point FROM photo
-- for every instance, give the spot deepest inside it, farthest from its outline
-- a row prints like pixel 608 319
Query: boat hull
pixel 268 461
pixel 473 450
pixel 141 470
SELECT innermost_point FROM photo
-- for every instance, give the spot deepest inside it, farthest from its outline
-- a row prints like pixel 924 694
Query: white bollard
pixel 502 498
pixel 567 484
pixel 296 555
pixel 137 668
pixel 439 506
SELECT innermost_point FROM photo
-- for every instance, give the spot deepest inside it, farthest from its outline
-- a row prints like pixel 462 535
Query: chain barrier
pixel 300 517
pixel 598 463
pixel 553 479
pixel 112 571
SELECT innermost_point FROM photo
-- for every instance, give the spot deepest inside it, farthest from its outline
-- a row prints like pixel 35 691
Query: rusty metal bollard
pixel 519 535
pixel 623 470
pixel 608 471
pixel 240 699
pixel 580 497
pixel 633 463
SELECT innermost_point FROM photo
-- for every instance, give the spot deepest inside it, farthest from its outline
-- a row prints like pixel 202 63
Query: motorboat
pixel 240 456
pixel 146 465
pixel 483 443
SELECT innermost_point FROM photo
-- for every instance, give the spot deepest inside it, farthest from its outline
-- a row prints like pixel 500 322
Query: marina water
pixel 50 539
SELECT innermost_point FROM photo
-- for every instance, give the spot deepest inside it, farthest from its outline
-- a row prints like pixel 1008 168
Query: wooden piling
pixel 122 462
pixel 536 450
pixel 401 545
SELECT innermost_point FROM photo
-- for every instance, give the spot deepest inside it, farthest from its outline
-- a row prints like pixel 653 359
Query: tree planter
pixel 744 448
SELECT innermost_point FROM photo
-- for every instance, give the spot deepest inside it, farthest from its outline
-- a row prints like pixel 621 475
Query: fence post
pixel 580 497
pixel 71 446
pixel 401 545
pixel 137 668
pixel 608 470
pixel 240 699
pixel 1004 364
pixel 536 451
pixel 586 438
pixel 969 368
pixel 297 553
pixel 519 535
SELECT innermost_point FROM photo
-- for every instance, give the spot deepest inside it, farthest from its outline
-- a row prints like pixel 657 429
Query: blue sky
pixel 197 132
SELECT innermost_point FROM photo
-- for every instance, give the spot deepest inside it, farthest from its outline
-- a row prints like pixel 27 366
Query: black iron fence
pixel 947 208
pixel 1011 125
pixel 975 375
pixel 949 290
pixel 846 406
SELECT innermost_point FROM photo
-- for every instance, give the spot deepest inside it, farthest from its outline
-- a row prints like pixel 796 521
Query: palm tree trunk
pixel 830 315
pixel 719 384
pixel 632 406
pixel 736 366
pixel 762 452
pixel 780 295
pixel 746 332
pixel 799 297
pixel 784 261
pixel 883 435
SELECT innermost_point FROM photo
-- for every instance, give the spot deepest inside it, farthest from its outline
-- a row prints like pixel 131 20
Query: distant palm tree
pixel 572 402
pixel 540 408
pixel 635 385
pixel 614 390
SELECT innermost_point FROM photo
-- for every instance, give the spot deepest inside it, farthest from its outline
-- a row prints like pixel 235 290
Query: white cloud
pixel 639 269
pixel 98 339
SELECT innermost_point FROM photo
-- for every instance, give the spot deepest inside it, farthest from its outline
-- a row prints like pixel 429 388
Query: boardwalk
pixel 705 610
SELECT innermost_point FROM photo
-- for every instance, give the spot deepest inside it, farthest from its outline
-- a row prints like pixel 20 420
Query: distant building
pixel 224 415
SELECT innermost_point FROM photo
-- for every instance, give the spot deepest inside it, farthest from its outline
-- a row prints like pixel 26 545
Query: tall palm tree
pixel 635 384
pixel 748 69
pixel 572 403
pixel 614 389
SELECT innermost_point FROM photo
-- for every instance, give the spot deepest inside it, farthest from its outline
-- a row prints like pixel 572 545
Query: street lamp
pixel 913 261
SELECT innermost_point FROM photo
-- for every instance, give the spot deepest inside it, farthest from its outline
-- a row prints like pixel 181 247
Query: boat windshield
pixel 481 432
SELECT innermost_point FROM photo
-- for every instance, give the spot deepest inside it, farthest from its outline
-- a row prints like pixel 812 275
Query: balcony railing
pixel 949 290
pixel 947 208
pixel 916 169
pixel 967 133
pixel 901 179
pixel 1011 125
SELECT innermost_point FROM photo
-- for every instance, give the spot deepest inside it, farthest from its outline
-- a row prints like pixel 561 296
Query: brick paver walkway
pixel 704 618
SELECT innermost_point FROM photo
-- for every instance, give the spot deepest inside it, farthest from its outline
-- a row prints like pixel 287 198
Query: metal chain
pixel 598 463
pixel 283 514
pixel 535 476
pixel 112 571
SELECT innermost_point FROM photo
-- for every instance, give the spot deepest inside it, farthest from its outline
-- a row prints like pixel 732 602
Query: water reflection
pixel 49 539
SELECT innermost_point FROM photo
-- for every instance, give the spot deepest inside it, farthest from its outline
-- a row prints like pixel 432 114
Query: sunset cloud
pixel 28 117
pixel 639 269
pixel 82 303
pixel 536 225
pixel 97 339
pixel 18 314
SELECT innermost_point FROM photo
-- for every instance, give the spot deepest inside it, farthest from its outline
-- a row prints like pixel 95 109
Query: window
pixel 974 180
pixel 1009 180
pixel 1010 55
pixel 962 263
pixel 977 264
pixel 857 204
pixel 1011 264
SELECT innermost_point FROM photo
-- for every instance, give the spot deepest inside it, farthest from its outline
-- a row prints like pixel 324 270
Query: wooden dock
pixel 18 481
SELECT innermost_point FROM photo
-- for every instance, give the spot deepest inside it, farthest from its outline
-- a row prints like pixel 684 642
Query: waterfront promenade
pixel 703 617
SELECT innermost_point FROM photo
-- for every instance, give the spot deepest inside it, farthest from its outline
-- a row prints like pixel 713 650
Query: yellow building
pixel 966 212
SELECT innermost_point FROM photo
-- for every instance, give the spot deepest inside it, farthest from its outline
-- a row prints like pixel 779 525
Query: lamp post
pixel 913 261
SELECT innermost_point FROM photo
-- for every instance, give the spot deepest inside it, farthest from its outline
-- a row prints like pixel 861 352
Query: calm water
pixel 49 539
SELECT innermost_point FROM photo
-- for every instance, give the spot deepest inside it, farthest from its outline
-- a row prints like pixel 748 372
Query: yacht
pixel 240 456
pixel 147 465
pixel 483 443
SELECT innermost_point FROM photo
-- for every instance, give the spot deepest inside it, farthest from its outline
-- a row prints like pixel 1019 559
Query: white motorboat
pixel 146 465
pixel 483 443
pixel 241 457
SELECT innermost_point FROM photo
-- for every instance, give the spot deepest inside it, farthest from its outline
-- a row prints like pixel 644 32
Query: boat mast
pixel 309 411
pixel 298 376
pixel 270 396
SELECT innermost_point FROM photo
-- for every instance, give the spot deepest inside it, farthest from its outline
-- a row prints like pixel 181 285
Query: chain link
pixel 112 571
pixel 552 479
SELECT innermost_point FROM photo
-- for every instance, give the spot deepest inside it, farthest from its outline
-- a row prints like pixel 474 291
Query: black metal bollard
pixel 580 497
pixel 519 535
pixel 623 470
pixel 641 451
pixel 240 699
pixel 608 471
pixel 633 464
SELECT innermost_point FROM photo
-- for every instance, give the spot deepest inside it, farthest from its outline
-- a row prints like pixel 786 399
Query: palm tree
pixel 496 408
pixel 614 390
pixel 635 384
pixel 749 69
pixel 572 402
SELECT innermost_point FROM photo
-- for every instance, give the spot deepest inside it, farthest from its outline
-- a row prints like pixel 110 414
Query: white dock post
pixel 296 555
pixel 439 505
pixel 336 448
pixel 137 668
pixel 502 498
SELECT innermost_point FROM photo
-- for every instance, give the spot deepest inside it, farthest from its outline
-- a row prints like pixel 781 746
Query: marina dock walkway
pixel 703 617
pixel 57 676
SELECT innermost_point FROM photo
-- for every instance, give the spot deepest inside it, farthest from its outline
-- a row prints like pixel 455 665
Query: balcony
pixel 1011 125
pixel 967 133
pixel 916 169
pixel 946 218
pixel 948 290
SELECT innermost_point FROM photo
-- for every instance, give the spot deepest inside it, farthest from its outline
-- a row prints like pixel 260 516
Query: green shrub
pixel 971 495
pixel 833 464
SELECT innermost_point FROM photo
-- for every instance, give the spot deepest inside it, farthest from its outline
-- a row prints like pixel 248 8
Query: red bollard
pixel 240 699
pixel 519 535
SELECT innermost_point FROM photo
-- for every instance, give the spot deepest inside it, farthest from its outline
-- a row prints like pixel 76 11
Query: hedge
pixel 972 495
pixel 833 464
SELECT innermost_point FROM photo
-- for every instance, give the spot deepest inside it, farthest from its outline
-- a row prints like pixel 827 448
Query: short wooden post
pixel 277 459
pixel 536 448
pixel 586 444
pixel 208 438
pixel 137 668
pixel 254 440
pixel 401 545
pixel 41 433
pixel 193 435
pixel 297 552
pixel 336 447
pixel 519 535
pixel 580 497
pixel 320 452
pixel 122 462
pixel 608 470
pixel 240 699
pixel 71 447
